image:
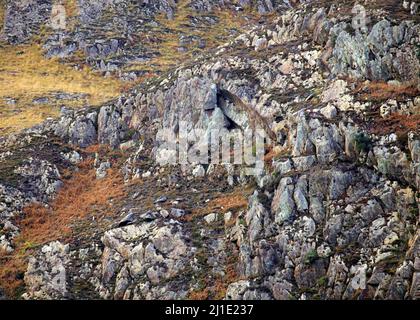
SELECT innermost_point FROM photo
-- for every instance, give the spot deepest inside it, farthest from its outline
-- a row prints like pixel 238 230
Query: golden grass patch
pixel 2 13
pixel 26 74
pixel 13 119
pixel 24 70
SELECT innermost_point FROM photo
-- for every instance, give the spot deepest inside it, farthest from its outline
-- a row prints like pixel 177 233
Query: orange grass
pixel 382 91
pixel 79 196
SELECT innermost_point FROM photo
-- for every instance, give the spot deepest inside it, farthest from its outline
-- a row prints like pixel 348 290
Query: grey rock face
pixel 334 213
pixel 24 18
pixel 372 56
pixel 46 277
pixel 11 204
pixel 41 179
pixel 307 265
pixel 283 204
pixel 244 290
pixel 128 219
pixel 108 126
pixel 144 259
pixel 101 171
pixel 261 44
pixel 111 128
pixel 177 213
pixel 78 129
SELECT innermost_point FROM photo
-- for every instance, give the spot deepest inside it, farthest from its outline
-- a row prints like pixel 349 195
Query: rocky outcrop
pixel 329 233
pixel 46 274
pixel 41 180
pixel 378 55
pixel 23 19
pixel 11 204
pixel 334 212
pixel 78 129
pixel 144 261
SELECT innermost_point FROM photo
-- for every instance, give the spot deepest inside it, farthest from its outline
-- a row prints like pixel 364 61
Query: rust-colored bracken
pixel 81 195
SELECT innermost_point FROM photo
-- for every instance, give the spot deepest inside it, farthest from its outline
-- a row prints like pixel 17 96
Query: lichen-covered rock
pixel 143 261
pixel 333 214
pixel 41 179
pixel 371 56
pixel 78 129
pixel 46 276
pixel 23 19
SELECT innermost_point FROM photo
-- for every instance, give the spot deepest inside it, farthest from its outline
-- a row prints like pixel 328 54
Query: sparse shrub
pixel 311 257
pixel 28 245
pixel 362 142
pixel 322 282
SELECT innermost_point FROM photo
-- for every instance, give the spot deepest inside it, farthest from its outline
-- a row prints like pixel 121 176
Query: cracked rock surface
pixel 334 213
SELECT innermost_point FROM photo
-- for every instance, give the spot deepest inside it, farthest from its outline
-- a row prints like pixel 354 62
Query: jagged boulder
pixel 46 276
pixel 23 19
pixel 143 261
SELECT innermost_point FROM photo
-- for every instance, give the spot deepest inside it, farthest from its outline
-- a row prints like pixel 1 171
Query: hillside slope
pixel 92 204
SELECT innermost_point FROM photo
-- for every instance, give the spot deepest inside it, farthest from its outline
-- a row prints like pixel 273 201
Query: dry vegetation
pixel 393 8
pixel 382 91
pixel 169 31
pixel 274 153
pixel 72 8
pixel 2 11
pixel 399 124
pixel 82 197
pixel 234 201
pixel 215 289
pixel 209 287
pixel 25 74
pixel 231 202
